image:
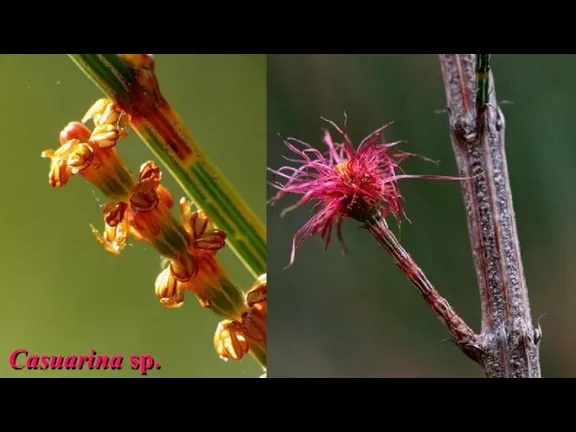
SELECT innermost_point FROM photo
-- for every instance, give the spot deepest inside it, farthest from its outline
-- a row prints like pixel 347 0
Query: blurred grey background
pixel 357 316
pixel 62 294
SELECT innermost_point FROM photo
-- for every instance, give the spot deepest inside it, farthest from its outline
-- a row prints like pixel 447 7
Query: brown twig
pixel 509 342
pixel 461 333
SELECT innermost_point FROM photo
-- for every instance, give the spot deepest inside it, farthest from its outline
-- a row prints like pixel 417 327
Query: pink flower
pixel 344 182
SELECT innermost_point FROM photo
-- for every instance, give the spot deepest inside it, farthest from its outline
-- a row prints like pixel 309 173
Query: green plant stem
pixel 259 354
pixel 165 134
pixel 482 88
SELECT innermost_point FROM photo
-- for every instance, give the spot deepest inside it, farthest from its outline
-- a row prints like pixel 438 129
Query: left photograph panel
pixel 133 213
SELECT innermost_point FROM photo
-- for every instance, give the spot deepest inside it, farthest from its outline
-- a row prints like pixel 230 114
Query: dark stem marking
pixel 482 87
pixel 509 342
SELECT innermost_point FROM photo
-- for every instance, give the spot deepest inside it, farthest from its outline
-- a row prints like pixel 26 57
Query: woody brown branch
pixel 461 333
pixel 509 341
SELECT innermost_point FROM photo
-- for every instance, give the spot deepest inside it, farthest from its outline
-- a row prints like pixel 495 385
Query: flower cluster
pixel 343 182
pixel 142 208
pixel 234 338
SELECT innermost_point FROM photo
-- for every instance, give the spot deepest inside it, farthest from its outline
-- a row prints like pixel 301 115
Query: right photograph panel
pixel 400 189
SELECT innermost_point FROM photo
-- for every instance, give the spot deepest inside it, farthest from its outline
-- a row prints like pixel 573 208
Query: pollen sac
pixel 184 267
pixel 168 289
pixel 145 197
pixel 150 174
pixel 116 228
pixel 105 111
pixel 343 169
pixel 254 320
pixel 81 158
pixel 198 223
pixel 107 135
pixel 69 159
pixel 114 213
pixel 75 130
pixel 230 341
pixel 257 292
pixel 110 123
pixel 172 302
pixel 96 110
pixel 254 325
pixel 212 240
pixel 199 228
pixel 114 238
pixel 59 171
pixel 144 200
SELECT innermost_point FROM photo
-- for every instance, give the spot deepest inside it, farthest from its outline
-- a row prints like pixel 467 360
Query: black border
pixel 234 402
pixel 374 28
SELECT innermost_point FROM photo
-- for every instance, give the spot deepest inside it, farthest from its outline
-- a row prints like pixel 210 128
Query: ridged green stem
pixel 202 181
pixel 160 127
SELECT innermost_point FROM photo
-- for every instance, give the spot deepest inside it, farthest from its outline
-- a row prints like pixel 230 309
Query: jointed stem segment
pixel 510 343
pixel 130 81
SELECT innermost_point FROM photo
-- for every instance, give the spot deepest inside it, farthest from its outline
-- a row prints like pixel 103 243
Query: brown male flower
pixel 146 214
pixel 91 153
pixel 235 338
pixel 210 283
pixel 169 290
pixel 143 209
pixel 110 122
pixel 254 320
pixel 230 341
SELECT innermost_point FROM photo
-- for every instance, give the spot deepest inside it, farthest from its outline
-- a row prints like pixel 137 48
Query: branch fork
pixel 508 343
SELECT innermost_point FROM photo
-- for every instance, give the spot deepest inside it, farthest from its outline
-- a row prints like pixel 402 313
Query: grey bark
pixel 508 341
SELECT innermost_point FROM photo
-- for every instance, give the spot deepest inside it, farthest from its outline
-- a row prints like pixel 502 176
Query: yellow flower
pixel 230 341
pixel 81 154
pixel 256 295
pixel 110 122
pixel 146 214
pixel 235 338
pixel 143 209
pixel 255 319
pixel 169 290
pixel 196 269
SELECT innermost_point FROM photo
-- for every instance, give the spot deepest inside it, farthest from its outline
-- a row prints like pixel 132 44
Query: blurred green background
pixel 62 294
pixel 357 316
